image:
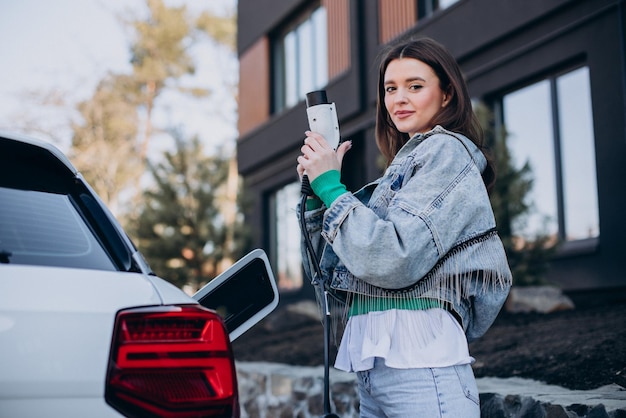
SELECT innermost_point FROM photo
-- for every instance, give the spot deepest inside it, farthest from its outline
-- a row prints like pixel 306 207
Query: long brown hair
pixel 457 116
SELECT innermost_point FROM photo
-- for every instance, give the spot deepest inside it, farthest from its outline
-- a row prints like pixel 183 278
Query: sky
pixel 66 46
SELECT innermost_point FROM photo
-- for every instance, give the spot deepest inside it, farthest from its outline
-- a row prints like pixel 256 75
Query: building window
pixel 285 237
pixel 300 60
pixel 426 8
pixel 549 124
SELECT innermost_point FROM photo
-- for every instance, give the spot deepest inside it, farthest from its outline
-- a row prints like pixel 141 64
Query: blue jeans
pixel 425 393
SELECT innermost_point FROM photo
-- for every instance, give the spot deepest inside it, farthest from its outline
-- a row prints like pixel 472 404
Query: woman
pixel 414 255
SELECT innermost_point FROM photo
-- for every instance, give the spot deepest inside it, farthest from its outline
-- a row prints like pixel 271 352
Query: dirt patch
pixel 577 349
pixel 583 348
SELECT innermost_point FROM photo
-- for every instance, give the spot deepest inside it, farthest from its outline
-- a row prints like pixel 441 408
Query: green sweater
pixel 328 187
pixel 364 304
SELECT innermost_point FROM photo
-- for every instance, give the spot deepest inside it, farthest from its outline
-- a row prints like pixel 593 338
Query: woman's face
pixel 412 95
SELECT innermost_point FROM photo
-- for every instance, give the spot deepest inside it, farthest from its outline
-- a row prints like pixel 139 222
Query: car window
pixel 40 228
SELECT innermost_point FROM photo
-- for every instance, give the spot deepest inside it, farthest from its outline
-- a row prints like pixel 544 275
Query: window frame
pixel 566 247
pixel 274 235
pixel 279 100
pixel 431 7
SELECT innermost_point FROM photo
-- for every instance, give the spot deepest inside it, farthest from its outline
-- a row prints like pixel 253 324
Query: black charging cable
pixel 307 191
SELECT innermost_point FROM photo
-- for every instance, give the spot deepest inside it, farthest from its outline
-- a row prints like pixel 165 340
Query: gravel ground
pixel 583 348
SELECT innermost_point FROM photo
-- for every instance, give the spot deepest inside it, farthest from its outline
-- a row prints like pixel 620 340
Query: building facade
pixel 553 72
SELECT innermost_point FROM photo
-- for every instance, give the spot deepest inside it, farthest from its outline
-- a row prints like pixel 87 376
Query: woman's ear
pixel 447 96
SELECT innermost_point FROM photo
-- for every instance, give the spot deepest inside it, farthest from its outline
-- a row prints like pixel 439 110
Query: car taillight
pixel 171 361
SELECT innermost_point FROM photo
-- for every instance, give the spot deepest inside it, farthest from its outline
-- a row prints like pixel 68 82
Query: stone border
pixel 272 390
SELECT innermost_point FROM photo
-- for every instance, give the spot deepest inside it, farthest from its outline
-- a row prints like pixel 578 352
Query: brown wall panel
pixel 395 17
pixel 338 15
pixel 254 86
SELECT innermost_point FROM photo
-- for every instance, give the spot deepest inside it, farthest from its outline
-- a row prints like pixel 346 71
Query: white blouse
pixel 404 339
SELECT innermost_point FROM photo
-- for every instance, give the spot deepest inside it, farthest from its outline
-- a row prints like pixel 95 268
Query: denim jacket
pixel 425 229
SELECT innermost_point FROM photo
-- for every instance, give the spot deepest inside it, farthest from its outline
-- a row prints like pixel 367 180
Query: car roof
pixel 45 152
pixel 33 165
pixel 30 163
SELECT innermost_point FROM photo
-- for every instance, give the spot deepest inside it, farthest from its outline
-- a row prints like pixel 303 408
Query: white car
pixel 86 329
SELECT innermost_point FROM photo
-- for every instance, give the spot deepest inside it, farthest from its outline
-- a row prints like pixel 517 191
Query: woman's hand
pixel 318 157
